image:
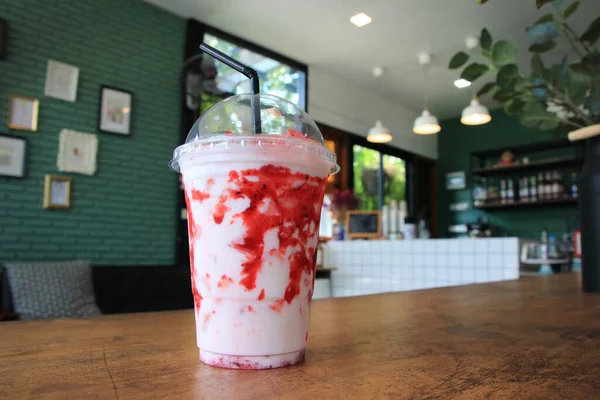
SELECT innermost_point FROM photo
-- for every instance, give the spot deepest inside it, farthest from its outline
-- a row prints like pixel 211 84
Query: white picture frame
pixel 23 113
pixel 13 151
pixel 61 81
pixel 115 111
pixel 77 152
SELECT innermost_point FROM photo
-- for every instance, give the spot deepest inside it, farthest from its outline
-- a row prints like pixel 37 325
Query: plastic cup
pixel 254 205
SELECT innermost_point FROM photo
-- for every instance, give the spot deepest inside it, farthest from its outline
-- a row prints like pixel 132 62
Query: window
pixel 367 166
pixel 276 77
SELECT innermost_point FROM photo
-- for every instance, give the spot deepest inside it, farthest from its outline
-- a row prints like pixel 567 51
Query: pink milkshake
pixel 254 204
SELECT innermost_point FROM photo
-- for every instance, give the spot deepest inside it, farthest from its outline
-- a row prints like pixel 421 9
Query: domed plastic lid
pixel 228 125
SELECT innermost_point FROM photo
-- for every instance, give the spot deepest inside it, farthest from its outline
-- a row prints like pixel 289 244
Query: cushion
pixel 52 289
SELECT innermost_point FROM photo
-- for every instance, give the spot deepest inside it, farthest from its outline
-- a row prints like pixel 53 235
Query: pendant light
pixel 379 133
pixel 426 124
pixel 475 114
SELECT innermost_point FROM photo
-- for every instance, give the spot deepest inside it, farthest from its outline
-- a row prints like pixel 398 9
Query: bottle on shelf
pixel 574 184
pixel 548 185
pixel 524 189
pixel 556 185
pixel 540 186
pixel 510 192
pixel 503 191
pixel 533 188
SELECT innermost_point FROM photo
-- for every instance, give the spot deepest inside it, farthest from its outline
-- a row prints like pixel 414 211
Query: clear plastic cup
pixel 254 205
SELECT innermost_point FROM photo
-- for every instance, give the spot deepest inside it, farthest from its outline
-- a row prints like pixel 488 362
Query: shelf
pixel 533 165
pixel 528 148
pixel 525 204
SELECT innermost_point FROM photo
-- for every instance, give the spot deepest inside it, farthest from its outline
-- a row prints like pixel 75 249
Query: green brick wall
pixel 126 213
pixel 456 142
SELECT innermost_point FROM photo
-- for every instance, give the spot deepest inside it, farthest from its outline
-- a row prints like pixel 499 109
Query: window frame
pixel 264 52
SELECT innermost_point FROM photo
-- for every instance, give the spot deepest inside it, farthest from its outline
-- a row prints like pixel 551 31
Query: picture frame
pixel 77 152
pixel 364 224
pixel 57 192
pixel 114 114
pixel 13 156
pixel 61 81
pixel 456 180
pixel 23 113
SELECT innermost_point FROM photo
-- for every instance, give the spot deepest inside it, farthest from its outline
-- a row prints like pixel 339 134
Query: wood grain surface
pixel 536 338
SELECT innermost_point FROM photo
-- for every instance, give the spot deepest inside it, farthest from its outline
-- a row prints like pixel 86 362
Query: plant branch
pixel 575 37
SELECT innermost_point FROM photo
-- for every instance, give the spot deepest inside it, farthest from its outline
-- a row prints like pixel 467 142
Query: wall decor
pixel 61 80
pixel 77 152
pixel 12 156
pixel 115 111
pixel 57 192
pixel 23 113
pixel 456 180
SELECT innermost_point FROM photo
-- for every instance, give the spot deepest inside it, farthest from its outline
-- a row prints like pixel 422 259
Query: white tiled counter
pixel 368 267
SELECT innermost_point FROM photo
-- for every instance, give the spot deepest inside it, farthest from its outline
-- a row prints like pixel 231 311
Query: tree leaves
pixel 589 65
pixel 537 65
pixel 486 88
pixel 542 47
pixel 544 18
pixel 507 76
pixel 533 114
pixel 513 106
pixel 458 60
pixel 542 33
pixel 485 41
pixel 592 34
pixel 571 9
pixel 541 3
pixel 474 71
pixel 504 52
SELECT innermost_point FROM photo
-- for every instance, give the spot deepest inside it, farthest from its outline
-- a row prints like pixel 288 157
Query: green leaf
pixel 485 41
pixel 458 60
pixel 571 9
pixel 486 88
pixel 577 86
pixel 537 65
pixel 513 106
pixel 504 52
pixel 507 75
pixel 542 47
pixel 533 114
pixel 589 65
pixel 503 95
pixel 541 3
pixel 592 33
pixel 474 71
pixel 544 18
pixel 482 1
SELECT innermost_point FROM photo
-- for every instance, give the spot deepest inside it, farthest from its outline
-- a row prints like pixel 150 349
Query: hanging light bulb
pixel 426 123
pixel 379 133
pixel 475 114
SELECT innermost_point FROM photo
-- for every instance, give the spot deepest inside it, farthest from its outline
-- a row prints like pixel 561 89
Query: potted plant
pixel 564 94
pixel 341 202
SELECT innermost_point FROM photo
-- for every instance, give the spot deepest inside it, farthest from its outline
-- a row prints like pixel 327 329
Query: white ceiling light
pixel 379 133
pixel 360 19
pixel 427 123
pixel 475 114
pixel 462 83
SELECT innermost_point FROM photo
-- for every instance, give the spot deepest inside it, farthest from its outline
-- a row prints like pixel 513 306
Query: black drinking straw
pixel 248 72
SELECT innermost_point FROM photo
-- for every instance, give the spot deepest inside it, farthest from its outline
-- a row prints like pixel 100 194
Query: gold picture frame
pixel 363 235
pixel 57 192
pixel 23 113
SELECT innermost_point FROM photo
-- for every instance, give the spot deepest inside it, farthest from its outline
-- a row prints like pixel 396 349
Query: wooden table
pixel 537 338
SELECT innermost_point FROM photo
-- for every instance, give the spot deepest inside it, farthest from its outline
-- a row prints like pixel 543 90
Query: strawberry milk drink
pixel 254 204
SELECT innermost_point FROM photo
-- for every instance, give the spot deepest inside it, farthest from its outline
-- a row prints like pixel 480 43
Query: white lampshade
pixel 475 114
pixel 426 124
pixel 379 133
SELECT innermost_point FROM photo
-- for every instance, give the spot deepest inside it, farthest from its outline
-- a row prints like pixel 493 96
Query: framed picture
pixel 115 111
pixel 23 113
pixel 77 152
pixel 61 80
pixel 456 180
pixel 57 192
pixel 12 156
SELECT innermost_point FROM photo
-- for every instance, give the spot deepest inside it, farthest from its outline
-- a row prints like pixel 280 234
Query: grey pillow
pixel 52 289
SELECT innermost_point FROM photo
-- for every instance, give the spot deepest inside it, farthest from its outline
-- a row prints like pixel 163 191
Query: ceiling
pixel 318 33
